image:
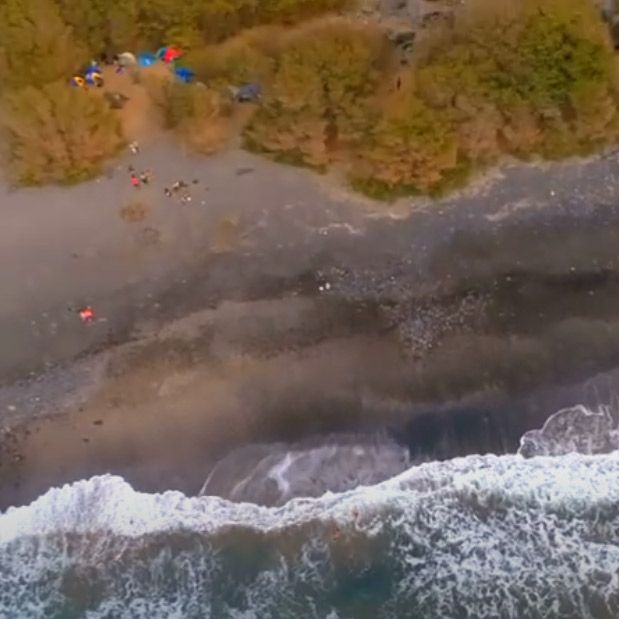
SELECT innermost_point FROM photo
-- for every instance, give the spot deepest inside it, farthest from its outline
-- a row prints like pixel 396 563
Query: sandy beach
pixel 276 306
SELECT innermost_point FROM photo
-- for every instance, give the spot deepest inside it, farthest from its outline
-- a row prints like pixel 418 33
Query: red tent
pixel 172 53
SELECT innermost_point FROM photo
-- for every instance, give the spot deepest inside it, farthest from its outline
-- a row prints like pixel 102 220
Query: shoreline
pixel 273 358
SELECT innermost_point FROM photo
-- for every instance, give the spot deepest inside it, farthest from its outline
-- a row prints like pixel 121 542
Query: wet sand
pixel 455 325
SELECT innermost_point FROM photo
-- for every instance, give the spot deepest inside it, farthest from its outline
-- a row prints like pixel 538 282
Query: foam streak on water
pixel 476 537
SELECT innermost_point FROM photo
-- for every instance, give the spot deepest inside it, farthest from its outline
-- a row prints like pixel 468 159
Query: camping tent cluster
pixel 92 76
pixel 170 55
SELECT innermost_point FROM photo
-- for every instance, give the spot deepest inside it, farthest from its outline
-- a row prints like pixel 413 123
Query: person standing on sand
pixel 135 181
pixel 87 315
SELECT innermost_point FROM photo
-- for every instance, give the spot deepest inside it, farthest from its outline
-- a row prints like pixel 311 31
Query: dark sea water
pixel 528 535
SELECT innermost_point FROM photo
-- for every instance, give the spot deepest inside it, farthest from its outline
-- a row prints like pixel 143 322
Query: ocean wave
pixel 577 429
pixel 476 537
pixel 274 473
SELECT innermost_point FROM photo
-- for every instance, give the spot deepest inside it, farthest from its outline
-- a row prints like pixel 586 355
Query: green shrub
pixel 57 133
pixel 541 69
pixel 411 146
pixel 235 62
pixel 199 115
pixel 36 46
pixel 132 24
pixel 317 103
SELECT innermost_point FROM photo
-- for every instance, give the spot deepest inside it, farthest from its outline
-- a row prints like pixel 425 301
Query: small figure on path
pixel 135 181
pixel 167 192
pixel 134 147
pixel 87 315
pixel 145 177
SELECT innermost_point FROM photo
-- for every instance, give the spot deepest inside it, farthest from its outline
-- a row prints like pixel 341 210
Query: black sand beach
pixel 277 307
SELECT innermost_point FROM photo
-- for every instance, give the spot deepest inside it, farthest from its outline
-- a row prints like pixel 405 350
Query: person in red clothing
pixel 135 181
pixel 87 314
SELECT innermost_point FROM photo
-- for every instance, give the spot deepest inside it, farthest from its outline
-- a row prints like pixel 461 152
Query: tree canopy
pixel 520 77
pixel 58 134
pixel 36 45
pixel 314 104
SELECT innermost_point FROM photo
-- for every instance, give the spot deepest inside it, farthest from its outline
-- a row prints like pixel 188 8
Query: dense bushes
pixel 200 116
pixel 36 46
pixel 135 23
pixel 317 102
pixel 411 146
pixel 57 134
pixel 518 77
pixel 243 58
pixel 522 77
pixel 54 133
pixel 535 79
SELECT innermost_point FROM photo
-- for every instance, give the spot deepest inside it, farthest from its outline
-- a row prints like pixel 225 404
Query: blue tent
pixel 184 74
pixel 146 59
pixel 92 68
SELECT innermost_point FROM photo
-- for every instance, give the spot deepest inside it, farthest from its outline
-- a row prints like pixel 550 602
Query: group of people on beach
pixel 180 189
pixel 143 178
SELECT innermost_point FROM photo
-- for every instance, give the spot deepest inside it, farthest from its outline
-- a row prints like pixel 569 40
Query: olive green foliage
pixel 50 132
pixel 239 60
pixel 412 145
pixel 55 133
pixel 185 104
pixel 528 77
pixel 130 24
pixel 36 46
pixel 317 101
pixel 199 115
pixel 102 24
pixel 518 77
pixel 58 134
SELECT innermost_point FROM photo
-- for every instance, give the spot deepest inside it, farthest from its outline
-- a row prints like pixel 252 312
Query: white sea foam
pixel 480 536
pixel 109 503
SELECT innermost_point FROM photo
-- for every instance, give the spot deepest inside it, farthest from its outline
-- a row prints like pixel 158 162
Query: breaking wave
pixel 476 537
